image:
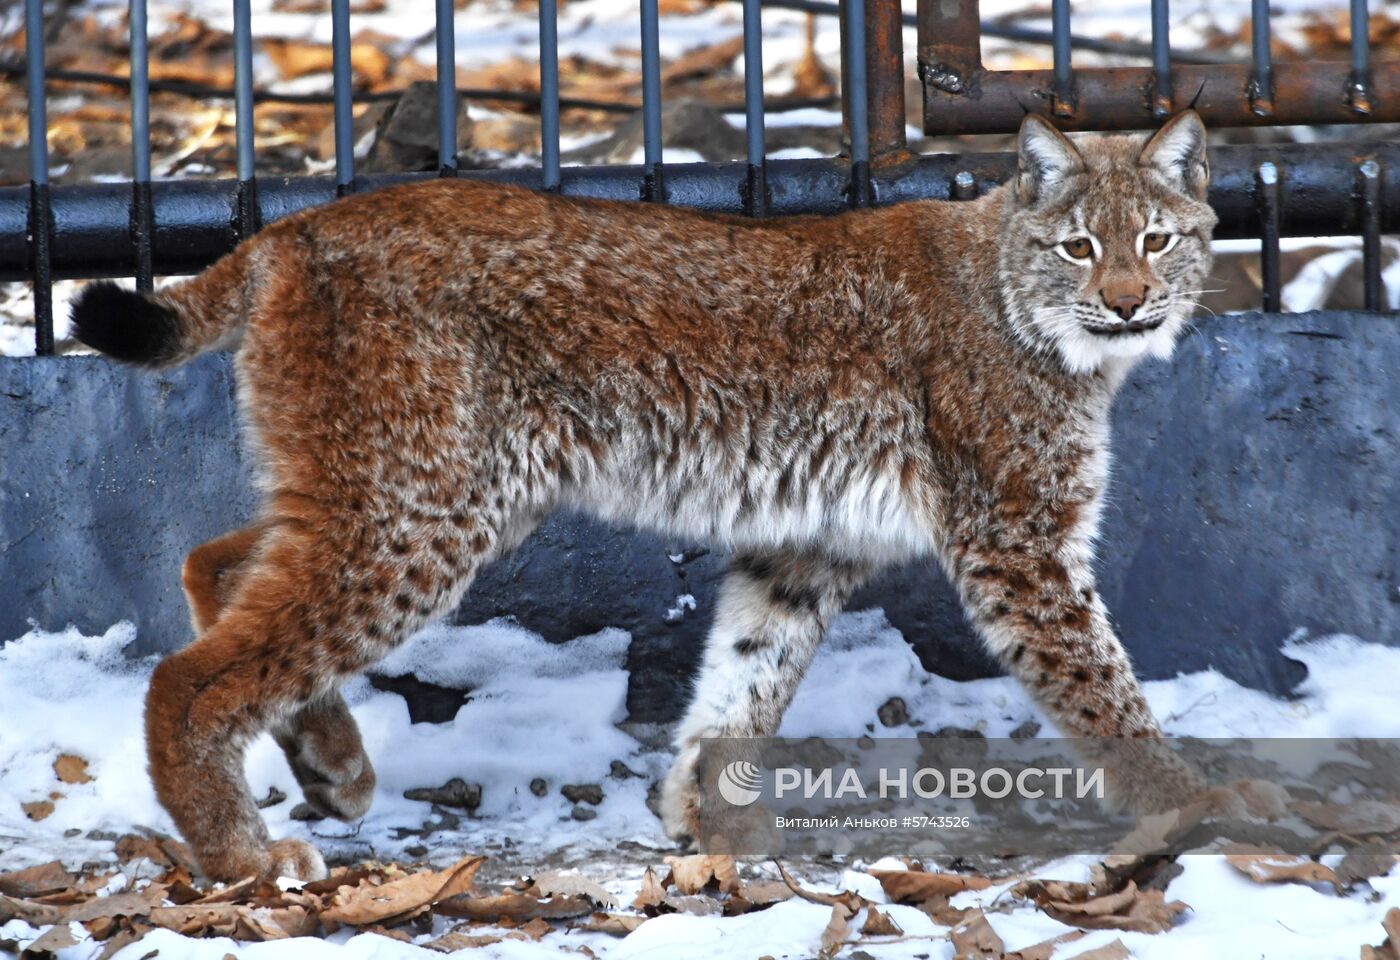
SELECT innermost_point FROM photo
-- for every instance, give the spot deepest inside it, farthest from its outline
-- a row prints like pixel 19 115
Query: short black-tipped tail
pixel 126 325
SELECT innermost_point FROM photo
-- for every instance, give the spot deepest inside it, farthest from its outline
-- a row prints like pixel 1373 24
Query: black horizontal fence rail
pixel 144 228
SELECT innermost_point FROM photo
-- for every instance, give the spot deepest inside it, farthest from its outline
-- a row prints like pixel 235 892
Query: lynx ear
pixel 1046 158
pixel 1178 152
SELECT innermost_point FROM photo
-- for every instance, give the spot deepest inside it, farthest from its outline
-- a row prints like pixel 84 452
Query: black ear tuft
pixel 1045 158
pixel 1178 153
pixel 125 325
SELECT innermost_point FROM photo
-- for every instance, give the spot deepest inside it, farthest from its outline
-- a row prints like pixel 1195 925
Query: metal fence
pixel 142 229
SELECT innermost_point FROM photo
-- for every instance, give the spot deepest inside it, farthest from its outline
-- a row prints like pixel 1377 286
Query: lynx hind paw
pixel 1243 799
pixel 342 795
pixel 295 859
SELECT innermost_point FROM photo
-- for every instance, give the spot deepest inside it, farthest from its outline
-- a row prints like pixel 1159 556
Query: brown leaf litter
pixel 401 901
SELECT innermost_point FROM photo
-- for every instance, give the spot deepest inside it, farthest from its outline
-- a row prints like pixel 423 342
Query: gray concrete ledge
pixel 1254 493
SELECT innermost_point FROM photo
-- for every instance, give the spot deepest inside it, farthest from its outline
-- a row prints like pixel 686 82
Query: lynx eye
pixel 1155 242
pixel 1080 248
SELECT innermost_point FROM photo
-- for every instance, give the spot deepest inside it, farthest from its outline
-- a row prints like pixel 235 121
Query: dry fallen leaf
pixel 37 881
pixel 162 851
pixel 71 769
pixel 837 929
pixel 368 903
pixel 1045 948
pixel 916 886
pixel 879 924
pixel 514 907
pixel 692 874
pixel 614 924
pixel 1358 819
pixel 552 883
pixel 1261 866
pixel 1390 947
pixel 1109 951
pixel 37 810
pixel 762 893
pixel 1131 909
pixel 974 939
pixel 535 928
pixel 652 892
pixel 53 940
pixel 1365 863
pixel 454 941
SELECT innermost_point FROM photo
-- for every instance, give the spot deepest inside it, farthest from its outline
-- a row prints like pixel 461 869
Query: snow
pixel 558 711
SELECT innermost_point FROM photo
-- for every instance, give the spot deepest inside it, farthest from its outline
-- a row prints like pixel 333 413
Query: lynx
pixel 428 371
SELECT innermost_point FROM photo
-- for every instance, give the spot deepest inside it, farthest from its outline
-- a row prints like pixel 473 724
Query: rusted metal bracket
pixel 950 50
pixel 1127 98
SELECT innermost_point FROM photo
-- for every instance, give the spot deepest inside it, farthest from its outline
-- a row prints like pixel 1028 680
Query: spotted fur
pixel 427 371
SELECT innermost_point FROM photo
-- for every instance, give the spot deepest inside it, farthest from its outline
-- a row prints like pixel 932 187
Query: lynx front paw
pixel 1262 799
pixel 296 859
pixel 680 800
pixel 284 858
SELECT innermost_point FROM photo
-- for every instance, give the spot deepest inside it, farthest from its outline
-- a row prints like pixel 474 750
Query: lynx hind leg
pixel 322 599
pixel 320 739
pixel 771 614
pixel 212 571
pixel 323 747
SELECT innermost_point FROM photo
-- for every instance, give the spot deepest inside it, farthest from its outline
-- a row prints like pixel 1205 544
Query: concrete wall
pixel 1255 492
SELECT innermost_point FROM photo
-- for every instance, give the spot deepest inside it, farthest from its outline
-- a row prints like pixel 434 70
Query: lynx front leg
pixel 320 739
pixel 1033 600
pixel 772 612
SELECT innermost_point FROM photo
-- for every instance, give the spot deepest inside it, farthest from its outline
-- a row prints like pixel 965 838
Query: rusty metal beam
pixel 884 59
pixel 950 47
pixel 962 98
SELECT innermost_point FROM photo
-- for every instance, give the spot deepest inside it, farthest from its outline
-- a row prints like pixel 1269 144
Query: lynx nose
pixel 1123 304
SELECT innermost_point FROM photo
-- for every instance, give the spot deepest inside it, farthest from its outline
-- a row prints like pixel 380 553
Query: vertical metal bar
pixel 341 81
pixel 243 117
pixel 1261 84
pixel 884 57
pixel 549 94
pixel 1161 60
pixel 755 187
pixel 856 100
pixel 40 216
pixel 1267 200
pixel 446 89
pixel 950 52
pixel 1369 201
pixel 1062 103
pixel 652 185
pixel 142 227
pixel 1359 89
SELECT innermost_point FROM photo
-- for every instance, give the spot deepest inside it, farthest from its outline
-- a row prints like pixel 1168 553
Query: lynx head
pixel 1106 242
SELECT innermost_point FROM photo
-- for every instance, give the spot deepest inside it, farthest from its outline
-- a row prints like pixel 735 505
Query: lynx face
pixel 1107 247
